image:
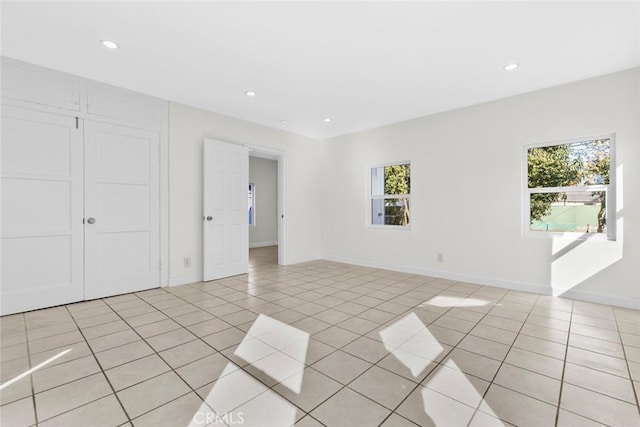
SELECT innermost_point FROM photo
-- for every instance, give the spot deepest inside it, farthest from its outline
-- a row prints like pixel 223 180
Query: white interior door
pixel 41 227
pixel 122 230
pixel 225 219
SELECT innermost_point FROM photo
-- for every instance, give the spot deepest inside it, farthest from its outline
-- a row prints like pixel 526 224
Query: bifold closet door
pixel 41 228
pixel 122 230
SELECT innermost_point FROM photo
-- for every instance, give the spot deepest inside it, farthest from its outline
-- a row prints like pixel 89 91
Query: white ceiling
pixel 364 64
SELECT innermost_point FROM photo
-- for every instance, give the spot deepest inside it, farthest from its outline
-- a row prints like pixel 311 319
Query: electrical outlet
pixel 440 257
pixel 186 262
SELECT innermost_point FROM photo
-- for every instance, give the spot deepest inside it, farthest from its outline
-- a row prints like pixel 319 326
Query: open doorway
pixel 265 207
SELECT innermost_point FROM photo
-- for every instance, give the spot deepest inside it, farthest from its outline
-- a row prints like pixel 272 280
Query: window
pixel 252 205
pixel 390 195
pixel 570 187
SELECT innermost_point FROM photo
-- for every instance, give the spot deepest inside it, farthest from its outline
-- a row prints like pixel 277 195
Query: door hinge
pixel 159 265
pixel 77 123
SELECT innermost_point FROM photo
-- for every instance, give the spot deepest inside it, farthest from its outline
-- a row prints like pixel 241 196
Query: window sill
pixel 568 235
pixel 390 227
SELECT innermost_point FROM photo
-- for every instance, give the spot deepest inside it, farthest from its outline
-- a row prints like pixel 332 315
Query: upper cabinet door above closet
pixel 115 103
pixel 40 86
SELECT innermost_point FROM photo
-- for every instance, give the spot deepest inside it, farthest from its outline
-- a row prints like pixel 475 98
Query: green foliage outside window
pixel 397 180
pixel 568 165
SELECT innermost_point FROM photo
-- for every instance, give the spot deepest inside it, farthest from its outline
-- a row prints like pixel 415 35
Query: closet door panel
pixel 42 207
pixel 122 199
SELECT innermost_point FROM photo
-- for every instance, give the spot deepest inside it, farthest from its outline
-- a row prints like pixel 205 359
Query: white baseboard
pixel 602 298
pixel 491 281
pixel 290 261
pixel 262 244
pixel 184 279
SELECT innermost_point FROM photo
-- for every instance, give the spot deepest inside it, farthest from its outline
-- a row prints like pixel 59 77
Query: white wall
pixel 187 128
pixel 471 161
pixel 263 173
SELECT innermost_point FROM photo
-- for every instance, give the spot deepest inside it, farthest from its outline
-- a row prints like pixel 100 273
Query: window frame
pixel 610 190
pixel 371 197
pixel 252 223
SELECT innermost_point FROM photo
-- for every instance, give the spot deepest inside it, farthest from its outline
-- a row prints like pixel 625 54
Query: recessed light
pixel 250 93
pixel 326 119
pixel 510 67
pixel 109 44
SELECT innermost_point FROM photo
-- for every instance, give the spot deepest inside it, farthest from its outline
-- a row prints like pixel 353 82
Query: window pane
pixel 397 179
pixel 390 187
pixel 390 212
pixel 252 211
pixel 583 212
pixel 377 211
pixel 580 163
pixel 377 181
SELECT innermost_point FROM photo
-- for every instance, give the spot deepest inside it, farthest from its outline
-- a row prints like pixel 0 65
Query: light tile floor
pixel 322 343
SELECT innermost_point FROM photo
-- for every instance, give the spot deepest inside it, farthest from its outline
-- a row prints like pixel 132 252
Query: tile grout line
pixel 101 371
pixel 343 386
pixel 484 395
pixel 143 339
pixel 33 390
pixel 627 362
pixel 351 316
pixel 215 350
pixel 588 389
pixel 375 364
pixel 564 364
pixel 337 287
pixel 171 368
pixel 69 382
pixel 437 364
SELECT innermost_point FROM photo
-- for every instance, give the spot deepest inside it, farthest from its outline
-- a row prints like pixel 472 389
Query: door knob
pixel 209 218
pixel 91 220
